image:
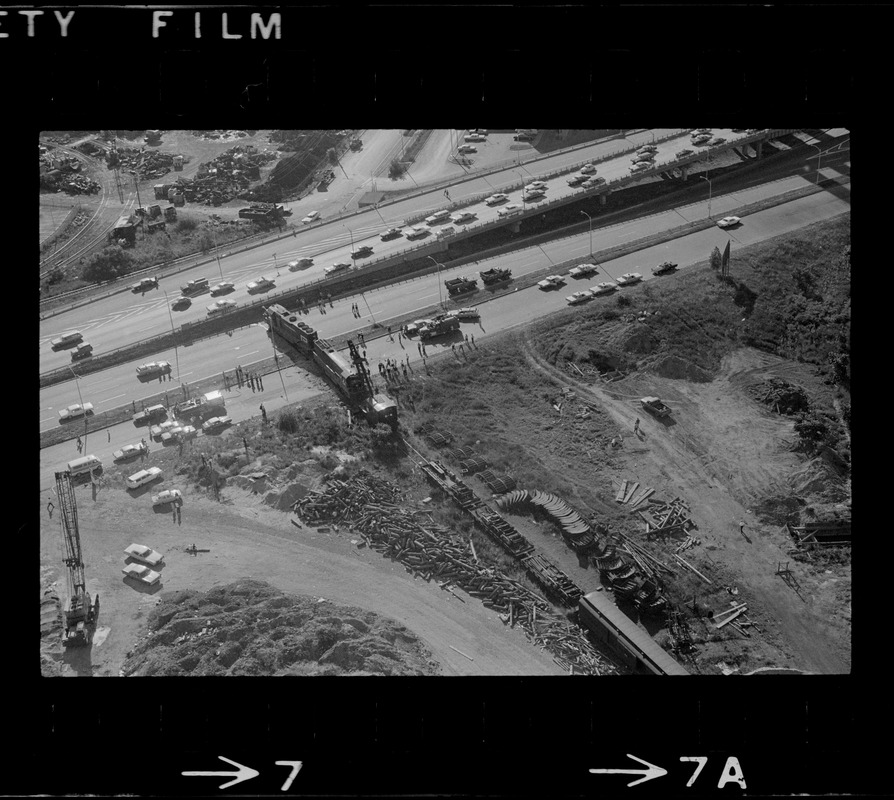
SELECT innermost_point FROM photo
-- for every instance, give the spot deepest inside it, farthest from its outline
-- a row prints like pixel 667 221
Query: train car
pixel 341 373
pixel 287 325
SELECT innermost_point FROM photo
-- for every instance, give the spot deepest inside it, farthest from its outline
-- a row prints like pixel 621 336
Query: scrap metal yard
pixel 450 402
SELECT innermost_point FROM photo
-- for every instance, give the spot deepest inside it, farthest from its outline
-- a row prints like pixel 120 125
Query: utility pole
pixel 440 293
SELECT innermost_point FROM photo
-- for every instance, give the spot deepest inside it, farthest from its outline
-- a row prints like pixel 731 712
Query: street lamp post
pixel 78 385
pixel 709 193
pixel 173 333
pixel 522 188
pixel 372 316
pixel 440 294
pixel 819 155
pixel 591 231
pixel 352 237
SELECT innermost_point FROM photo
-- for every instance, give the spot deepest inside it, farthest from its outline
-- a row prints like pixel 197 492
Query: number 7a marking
pixel 296 768
pixel 702 760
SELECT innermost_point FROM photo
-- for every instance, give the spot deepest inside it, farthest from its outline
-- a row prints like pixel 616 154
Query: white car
pixel 216 423
pixel 167 496
pixel 129 451
pixel 464 313
pixel 496 199
pixel 508 211
pixel 551 282
pixel 413 328
pixel 416 232
pixel 141 573
pixel 648 148
pixel 467 148
pixel 222 288
pixel 536 185
pixel 301 263
pixel 153 368
pixel 171 434
pixel 143 477
pixel 533 196
pixel 582 270
pixel 157 431
pixel 339 266
pixel 588 169
pixel 603 288
pixel 579 297
pixel 463 217
pixel 312 217
pixel 262 284
pixel 629 278
pixel 593 182
pixel 576 180
pixel 643 158
pixel 728 222
pixel 76 410
pixel 188 432
pixel 220 307
pixel 640 166
pixel 143 554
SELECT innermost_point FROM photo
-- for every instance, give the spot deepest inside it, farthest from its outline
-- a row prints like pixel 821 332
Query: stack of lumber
pixel 735 617
pixel 665 518
pixel 632 493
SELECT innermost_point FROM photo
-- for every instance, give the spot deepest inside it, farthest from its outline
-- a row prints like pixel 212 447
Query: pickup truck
pixel 663 267
pixel 83 350
pixel 461 285
pixel 495 275
pixel 195 286
pixel 149 415
pixel 654 406
pixel 144 285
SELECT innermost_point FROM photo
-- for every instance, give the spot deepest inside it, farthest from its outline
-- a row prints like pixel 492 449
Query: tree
pixel 716 258
pixel 332 156
pixel 111 263
pixel 811 430
pixel 396 169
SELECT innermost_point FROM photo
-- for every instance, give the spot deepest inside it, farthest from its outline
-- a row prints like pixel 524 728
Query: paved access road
pixel 125 318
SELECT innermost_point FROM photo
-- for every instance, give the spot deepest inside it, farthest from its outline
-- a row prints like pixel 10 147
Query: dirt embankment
pixel 250 628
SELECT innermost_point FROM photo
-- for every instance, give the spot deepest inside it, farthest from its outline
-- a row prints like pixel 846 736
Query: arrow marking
pixel 650 772
pixel 243 773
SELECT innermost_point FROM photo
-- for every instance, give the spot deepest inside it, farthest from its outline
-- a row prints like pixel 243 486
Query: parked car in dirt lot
pixel 603 288
pixel 301 263
pixel 312 217
pixel 76 410
pixel 467 148
pixel 143 477
pixel 220 307
pixel 728 222
pixel 262 284
pixel 157 431
pixel 167 496
pixel 579 297
pixel 143 554
pixel 129 451
pixel 222 288
pixel 141 573
pixel 153 368
pixel 216 424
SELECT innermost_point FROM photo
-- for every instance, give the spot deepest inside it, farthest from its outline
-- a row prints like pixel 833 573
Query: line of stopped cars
pixel 602 288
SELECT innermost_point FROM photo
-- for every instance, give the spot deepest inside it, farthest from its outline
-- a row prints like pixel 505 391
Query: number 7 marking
pixel 702 760
pixel 296 768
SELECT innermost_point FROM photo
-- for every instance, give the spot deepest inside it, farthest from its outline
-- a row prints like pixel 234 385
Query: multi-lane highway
pixel 124 318
pixel 117 386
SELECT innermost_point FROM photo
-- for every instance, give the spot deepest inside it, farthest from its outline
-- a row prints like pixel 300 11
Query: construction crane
pixel 80 614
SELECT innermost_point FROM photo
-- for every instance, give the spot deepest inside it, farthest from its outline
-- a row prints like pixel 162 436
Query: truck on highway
pixel 461 285
pixel 438 327
pixel 195 286
pixel 83 350
pixel 654 406
pixel 495 275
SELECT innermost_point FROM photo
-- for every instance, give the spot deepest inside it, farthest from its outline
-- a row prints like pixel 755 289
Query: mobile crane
pixel 80 615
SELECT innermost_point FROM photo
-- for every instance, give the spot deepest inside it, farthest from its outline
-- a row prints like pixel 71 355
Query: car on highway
pixel 83 350
pixel 463 217
pixel 144 285
pixel 413 328
pixel 684 152
pixel 157 431
pixel 551 282
pixel 664 267
pixel 141 573
pixel 66 340
pixel 312 217
pixel 129 451
pixel 639 167
pixel 222 288
pixel 728 222
pixel 536 185
pixel 510 210
pixel 149 414
pixel 220 307
pixel 603 288
pixel 181 302
pixel 153 368
pixel 717 140
pixel 167 496
pixel 362 252
pixel 416 232
pixel 496 199
pixel 195 286
pixel 629 278
pixel 576 180
pixel 301 263
pixel 262 284
pixel 582 270
pixel 593 182
pixel 216 424
pixel 464 313
pixel 699 141
pixel 467 148
pixel 76 410
pixel 143 554
pixel 534 196
pixel 391 233
pixel 588 169
pixel 338 266
pixel 578 297
pixel 648 148
pixel 643 157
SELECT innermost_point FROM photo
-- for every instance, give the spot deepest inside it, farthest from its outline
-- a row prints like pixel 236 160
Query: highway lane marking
pixel 109 399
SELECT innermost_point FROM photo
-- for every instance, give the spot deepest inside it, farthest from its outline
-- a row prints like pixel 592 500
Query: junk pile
pixel 369 507
pixel 663 518
pixel 225 178
pixel 61 175
pixel 781 396
pixel 146 163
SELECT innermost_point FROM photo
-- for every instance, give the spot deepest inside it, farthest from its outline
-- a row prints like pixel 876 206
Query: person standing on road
pixel 263 413
pixel 80 444
pixel 473 340
pixel 636 426
pixel 109 432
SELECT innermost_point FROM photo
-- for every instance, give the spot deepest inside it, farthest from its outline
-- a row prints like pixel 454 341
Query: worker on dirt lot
pixel 50 508
pixel 636 426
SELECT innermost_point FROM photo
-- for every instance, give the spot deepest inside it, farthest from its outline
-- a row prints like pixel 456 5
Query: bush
pixel 186 224
pixel 288 421
pixel 332 156
pixel 623 300
pixel 396 170
pixel 716 258
pixel 111 263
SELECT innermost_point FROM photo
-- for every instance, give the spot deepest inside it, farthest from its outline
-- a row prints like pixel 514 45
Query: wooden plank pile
pixel 663 518
pixel 366 505
pixel 632 493
pixel 735 617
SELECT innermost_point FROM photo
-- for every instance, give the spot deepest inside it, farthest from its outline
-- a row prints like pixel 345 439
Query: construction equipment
pixel 438 327
pixel 80 615
pixel 654 406
pixel 461 285
pixel 495 275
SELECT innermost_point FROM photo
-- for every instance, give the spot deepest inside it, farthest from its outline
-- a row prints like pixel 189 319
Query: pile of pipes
pixel 366 505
